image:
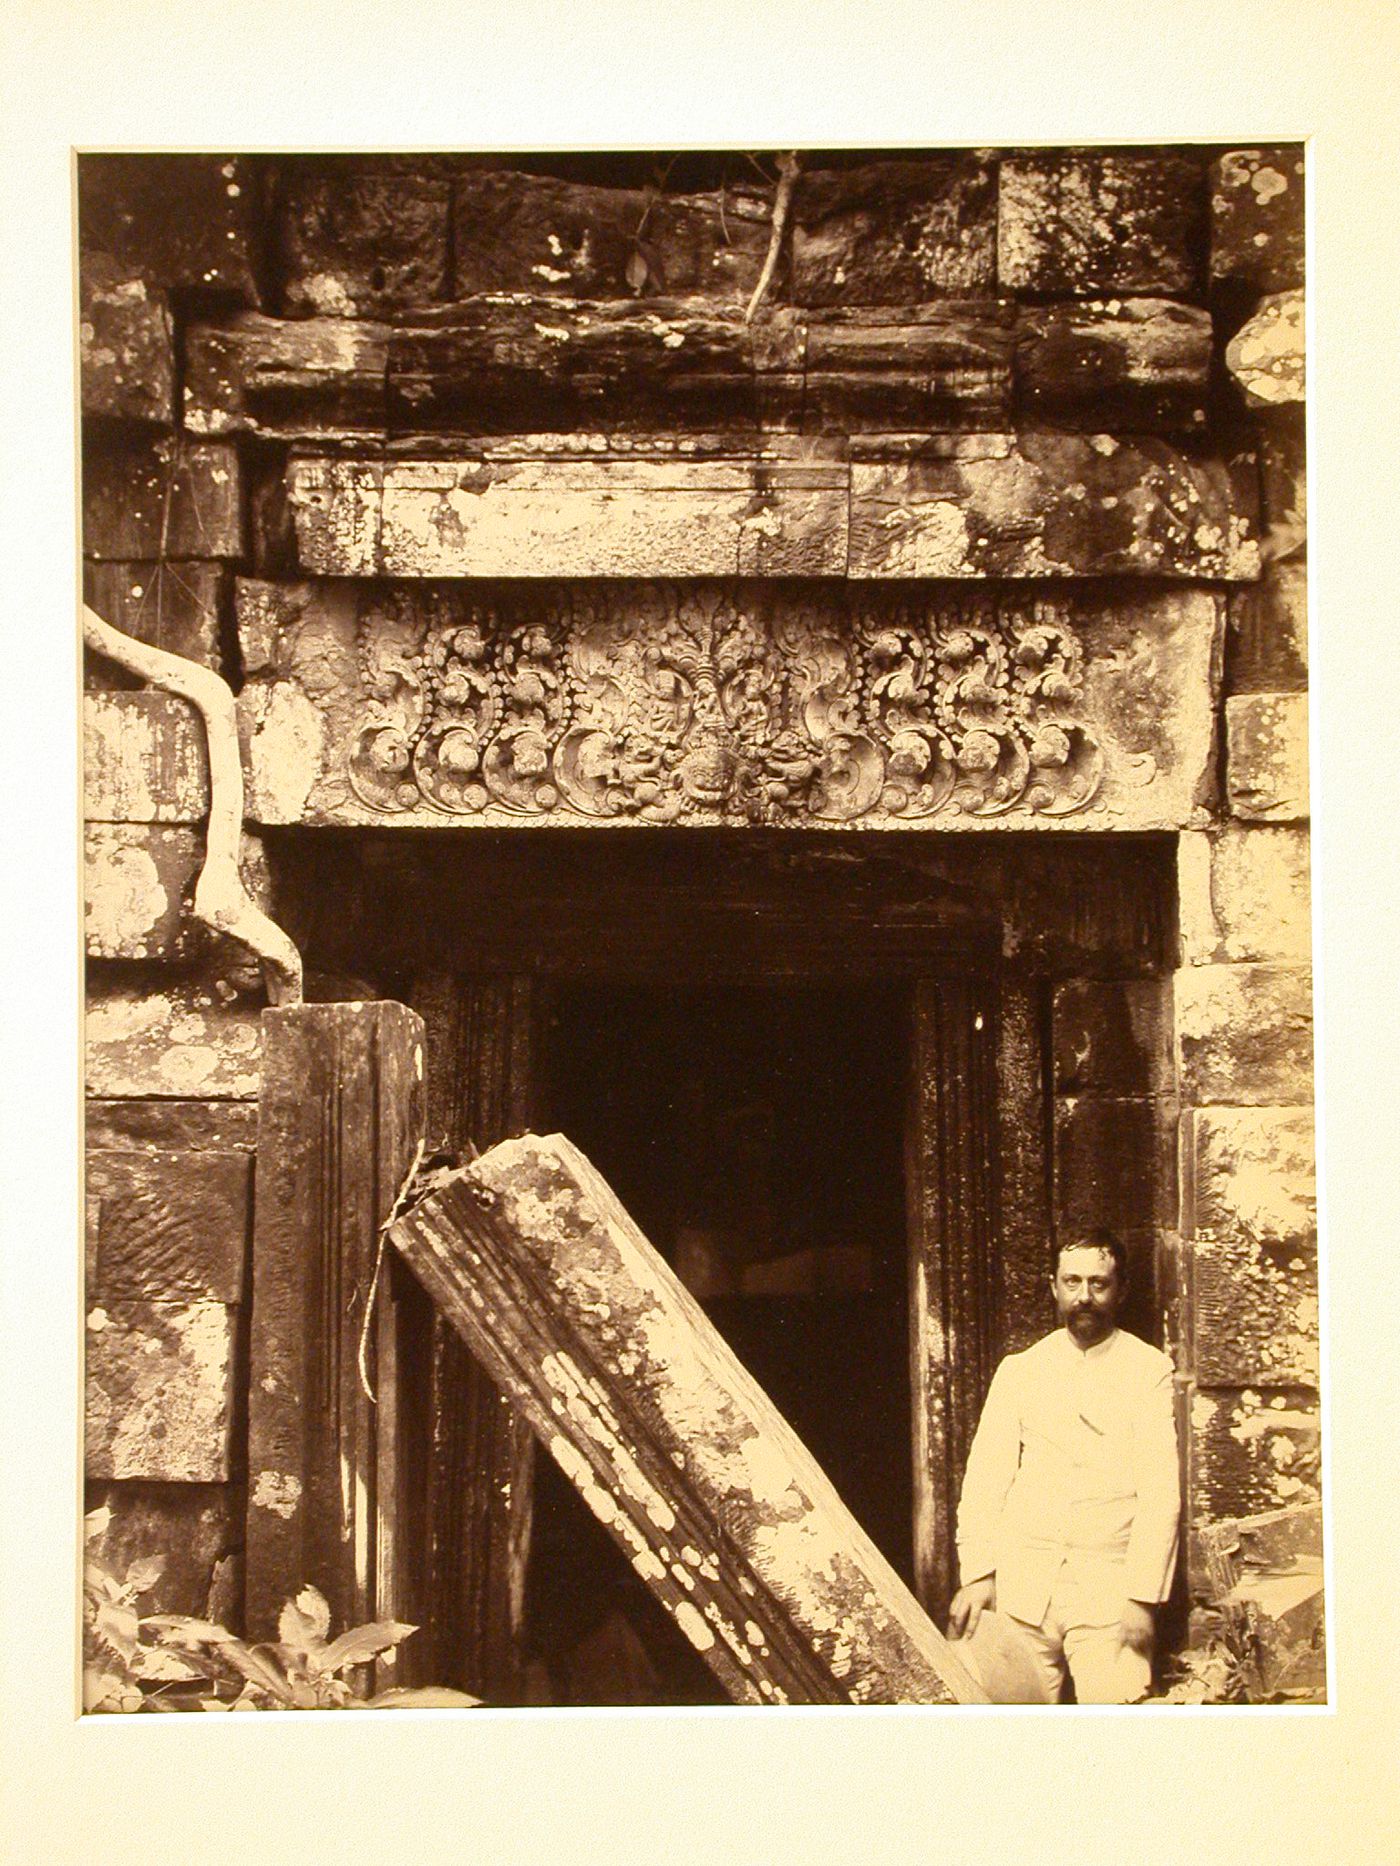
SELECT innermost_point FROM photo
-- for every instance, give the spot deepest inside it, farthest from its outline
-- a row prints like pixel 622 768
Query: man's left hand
pixel 1136 1626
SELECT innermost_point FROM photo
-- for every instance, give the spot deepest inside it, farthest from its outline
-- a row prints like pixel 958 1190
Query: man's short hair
pixel 1098 1237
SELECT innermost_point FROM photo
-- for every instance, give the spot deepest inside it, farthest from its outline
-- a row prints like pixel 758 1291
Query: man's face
pixel 1088 1293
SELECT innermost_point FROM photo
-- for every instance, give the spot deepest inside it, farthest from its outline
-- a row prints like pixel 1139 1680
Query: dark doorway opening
pixel 756 1135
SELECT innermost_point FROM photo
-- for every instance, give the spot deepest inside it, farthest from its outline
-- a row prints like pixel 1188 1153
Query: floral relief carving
pixel 665 703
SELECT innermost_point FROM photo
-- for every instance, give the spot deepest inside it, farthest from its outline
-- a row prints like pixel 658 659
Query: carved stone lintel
pixel 660 704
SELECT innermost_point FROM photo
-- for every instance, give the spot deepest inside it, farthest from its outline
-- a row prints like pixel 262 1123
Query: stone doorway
pixel 999 1004
pixel 754 1132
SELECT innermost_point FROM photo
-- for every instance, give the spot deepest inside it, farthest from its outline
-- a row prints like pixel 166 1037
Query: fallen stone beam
pixel 680 1454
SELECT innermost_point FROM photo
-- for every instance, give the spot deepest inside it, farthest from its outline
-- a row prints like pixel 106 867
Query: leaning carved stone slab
pixel 704 1486
pixel 600 704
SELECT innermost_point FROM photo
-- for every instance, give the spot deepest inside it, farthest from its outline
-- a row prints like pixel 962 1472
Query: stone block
pixel 1245 894
pixel 1253 1449
pixel 1045 504
pixel 1283 483
pixel 194 1532
pixel 1267 355
pixel 1109 717
pixel 172 606
pixel 138 883
pixel 513 232
pixel 162 1035
pixel 942 364
pixel 170 1126
pixel 1256 206
pixel 358 237
pixel 1253 1173
pixel 126 350
pixel 1255 1318
pixel 1135 363
pixel 261 375
pixel 143 759
pixel 1245 1034
pixel 160 1391
pixel 1113 1037
pixel 1115 1164
pixel 160 496
pixel 1267 649
pixel 1079 222
pixel 570 517
pixel 1266 757
pixel 187 220
pixel 170 1225
pixel 895 232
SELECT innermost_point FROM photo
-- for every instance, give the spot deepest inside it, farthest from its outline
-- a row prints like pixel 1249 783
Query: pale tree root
pixel 220 899
pixel 788 168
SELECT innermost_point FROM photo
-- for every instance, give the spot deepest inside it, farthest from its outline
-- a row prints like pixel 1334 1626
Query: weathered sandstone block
pixel 194 1531
pixel 126 349
pixel 1138 363
pixel 160 1391
pixel 499 515
pixel 139 880
pixel 274 376
pixel 1077 222
pixel 160 496
pixel 190 220
pixel 171 606
pixel 1256 202
pixel 1245 894
pixel 1114 1163
pixel 1245 1034
pixel 1255 1317
pixel 358 237
pixel 143 759
pixel 1267 357
pixel 1267 650
pixel 1283 483
pixel 1045 504
pixel 441 705
pixel 531 233
pixel 1253 1449
pixel 170 1126
pixel 1113 1037
pixel 1253 1174
pixel 894 232
pixel 162 1035
pixel 169 1225
pixel 1255 1249
pixel 1266 757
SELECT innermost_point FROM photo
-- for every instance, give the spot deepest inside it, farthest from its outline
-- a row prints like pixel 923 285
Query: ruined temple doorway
pixel 755 1133
pixel 753 1037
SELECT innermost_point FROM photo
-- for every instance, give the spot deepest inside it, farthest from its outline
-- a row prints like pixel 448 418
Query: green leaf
pixel 421 1697
pixel 298 1631
pixel 118 1627
pixel 96 1523
pixel 142 1576
pixel 363 1643
pixel 312 1604
pixel 159 1662
pixel 179 1629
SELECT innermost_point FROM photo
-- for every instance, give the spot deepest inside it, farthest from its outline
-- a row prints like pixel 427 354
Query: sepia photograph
pixel 698 1037
pixel 700 1042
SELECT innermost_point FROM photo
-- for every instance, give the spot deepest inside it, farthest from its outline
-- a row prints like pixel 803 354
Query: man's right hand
pixel 969 1604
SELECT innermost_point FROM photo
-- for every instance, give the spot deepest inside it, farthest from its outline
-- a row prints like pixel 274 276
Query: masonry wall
pixel 1051 376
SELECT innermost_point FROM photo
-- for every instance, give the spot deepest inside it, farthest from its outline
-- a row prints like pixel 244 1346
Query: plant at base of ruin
pixel 174 1662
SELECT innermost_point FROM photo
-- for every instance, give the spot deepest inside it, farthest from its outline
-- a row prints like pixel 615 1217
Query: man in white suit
pixel 1067 1524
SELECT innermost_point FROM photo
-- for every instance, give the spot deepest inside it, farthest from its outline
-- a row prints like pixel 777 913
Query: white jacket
pixel 1074 1461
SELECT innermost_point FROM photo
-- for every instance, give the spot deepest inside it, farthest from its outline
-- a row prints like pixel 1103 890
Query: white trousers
pixel 1018 1663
